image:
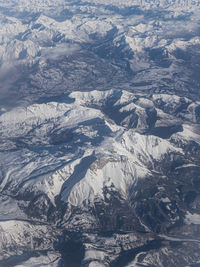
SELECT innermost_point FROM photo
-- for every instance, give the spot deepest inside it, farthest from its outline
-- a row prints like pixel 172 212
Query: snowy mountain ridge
pixel 60 123
pixel 83 125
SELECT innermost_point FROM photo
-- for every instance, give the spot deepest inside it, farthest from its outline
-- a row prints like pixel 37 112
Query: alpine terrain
pixel 99 133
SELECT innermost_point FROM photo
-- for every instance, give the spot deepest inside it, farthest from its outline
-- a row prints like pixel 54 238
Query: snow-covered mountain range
pixel 99 133
pixel 71 164
pixel 146 46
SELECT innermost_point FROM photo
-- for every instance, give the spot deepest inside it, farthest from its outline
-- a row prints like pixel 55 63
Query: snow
pixel 145 103
pixel 96 264
pixel 96 19
pixel 149 4
pixel 170 100
pixel 134 263
pixel 186 166
pixel 44 118
pixel 119 159
pixel 37 157
pixel 192 218
pixel 188 133
pixel 92 97
pixel 51 260
pixel 22 235
pixel 104 172
pixel 9 209
pixel 147 147
pixel 94 254
pixel 165 200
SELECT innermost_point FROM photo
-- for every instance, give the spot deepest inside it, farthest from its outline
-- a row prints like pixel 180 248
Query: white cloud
pixel 59 51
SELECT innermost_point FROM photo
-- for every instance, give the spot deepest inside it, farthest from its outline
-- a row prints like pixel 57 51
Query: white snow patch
pixel 186 166
pixel 52 259
pixel 165 200
pixel 192 218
